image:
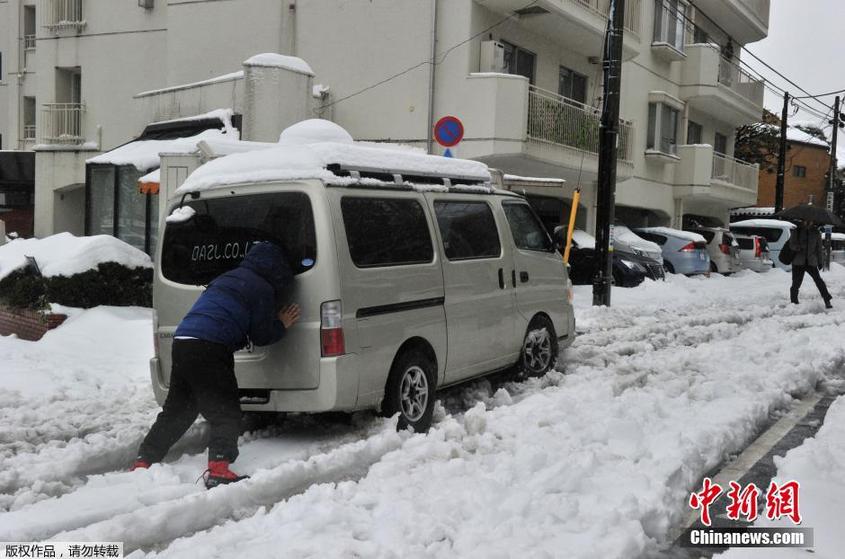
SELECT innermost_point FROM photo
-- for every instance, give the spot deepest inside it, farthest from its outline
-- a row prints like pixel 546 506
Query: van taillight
pixel 331 329
pixel 758 248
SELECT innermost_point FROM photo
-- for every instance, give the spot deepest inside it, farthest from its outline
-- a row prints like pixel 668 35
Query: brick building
pixel 807 161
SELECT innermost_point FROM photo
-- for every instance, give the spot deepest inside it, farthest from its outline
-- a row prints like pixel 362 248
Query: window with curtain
pixel 669 23
pixel 572 85
pixel 662 128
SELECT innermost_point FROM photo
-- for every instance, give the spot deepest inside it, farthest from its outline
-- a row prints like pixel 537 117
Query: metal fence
pixel 63 123
pixel 29 42
pixel 555 119
pixel 63 14
pixel 602 7
pixel 29 132
pixel 735 171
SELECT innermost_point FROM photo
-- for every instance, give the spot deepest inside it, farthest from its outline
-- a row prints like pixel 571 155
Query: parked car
pixel 403 290
pixel 837 248
pixel 683 252
pixel 626 272
pixel 775 231
pixel 754 253
pixel 722 248
pixel 636 249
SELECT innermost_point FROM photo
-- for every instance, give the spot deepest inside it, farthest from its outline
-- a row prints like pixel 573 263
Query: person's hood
pixel 270 262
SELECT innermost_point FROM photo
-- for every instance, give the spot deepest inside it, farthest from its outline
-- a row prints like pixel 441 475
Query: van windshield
pixel 222 231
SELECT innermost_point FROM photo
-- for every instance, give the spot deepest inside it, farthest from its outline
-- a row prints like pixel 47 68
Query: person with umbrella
pixel 806 246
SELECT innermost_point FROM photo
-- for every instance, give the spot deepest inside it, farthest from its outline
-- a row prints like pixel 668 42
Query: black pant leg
pixel 216 390
pixel 797 280
pixel 814 273
pixel 178 412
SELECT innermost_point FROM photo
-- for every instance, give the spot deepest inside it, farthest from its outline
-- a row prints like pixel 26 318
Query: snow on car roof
pixel 837 236
pixel 296 157
pixel 623 233
pixel 64 254
pixel 583 239
pixel 686 235
pixel 763 223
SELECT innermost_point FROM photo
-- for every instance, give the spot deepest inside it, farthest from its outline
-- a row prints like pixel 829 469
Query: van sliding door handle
pixel 523 277
pixel 501 278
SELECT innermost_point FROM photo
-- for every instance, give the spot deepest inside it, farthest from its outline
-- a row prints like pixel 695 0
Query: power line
pixel 821 94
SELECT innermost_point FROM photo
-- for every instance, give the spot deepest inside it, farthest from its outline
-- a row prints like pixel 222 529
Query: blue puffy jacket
pixel 242 304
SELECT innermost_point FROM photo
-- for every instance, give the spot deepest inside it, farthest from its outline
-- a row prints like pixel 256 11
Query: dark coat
pixel 806 244
pixel 241 305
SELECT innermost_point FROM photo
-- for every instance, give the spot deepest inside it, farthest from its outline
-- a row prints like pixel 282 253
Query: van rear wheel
pixel 410 391
pixel 539 349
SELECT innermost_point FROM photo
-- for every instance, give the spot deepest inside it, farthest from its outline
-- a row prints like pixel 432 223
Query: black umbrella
pixel 809 212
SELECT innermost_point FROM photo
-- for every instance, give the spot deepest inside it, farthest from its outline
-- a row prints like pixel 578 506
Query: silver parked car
pixel 683 252
pixel 407 284
pixel 754 253
pixel 722 248
pixel 775 231
pixel 837 252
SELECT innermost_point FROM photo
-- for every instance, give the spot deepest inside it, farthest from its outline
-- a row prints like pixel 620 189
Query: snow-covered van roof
pixel 763 223
pixel 686 235
pixel 319 149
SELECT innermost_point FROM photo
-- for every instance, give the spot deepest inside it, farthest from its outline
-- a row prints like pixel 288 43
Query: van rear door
pixel 214 240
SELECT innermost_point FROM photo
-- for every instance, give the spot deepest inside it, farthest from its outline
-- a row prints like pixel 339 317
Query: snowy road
pixel 596 460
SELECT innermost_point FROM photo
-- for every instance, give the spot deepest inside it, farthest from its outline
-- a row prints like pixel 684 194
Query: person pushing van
pixel 238 307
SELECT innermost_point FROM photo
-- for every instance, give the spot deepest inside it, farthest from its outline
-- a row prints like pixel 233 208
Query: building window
pixel 29 119
pixel 694 133
pixel 662 128
pixel 721 144
pixel 799 171
pixel 519 61
pixel 669 18
pixel 64 14
pixel 572 85
pixel 115 207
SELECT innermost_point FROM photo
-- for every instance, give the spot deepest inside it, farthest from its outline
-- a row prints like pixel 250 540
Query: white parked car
pixel 837 254
pixel 722 248
pixel 775 231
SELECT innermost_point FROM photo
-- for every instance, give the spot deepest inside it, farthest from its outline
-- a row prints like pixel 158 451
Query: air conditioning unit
pixel 492 57
pixel 146 4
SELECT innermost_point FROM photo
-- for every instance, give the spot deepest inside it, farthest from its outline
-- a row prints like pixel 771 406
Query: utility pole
pixel 832 178
pixel 609 132
pixel 781 155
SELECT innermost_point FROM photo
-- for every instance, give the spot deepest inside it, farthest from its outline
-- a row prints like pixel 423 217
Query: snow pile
pixel 763 222
pixel 223 115
pixel 273 60
pixel 686 235
pixel 144 154
pixel 583 239
pixel 303 154
pixel 819 466
pixel 181 214
pixel 314 130
pixel 65 255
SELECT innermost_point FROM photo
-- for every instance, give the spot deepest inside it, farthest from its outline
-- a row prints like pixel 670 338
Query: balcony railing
pixel 602 7
pixel 29 132
pixel 740 81
pixel 555 119
pixel 64 14
pixel 29 42
pixel 63 123
pixel 735 171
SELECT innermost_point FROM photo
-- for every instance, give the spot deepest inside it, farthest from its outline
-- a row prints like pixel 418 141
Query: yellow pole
pixel 576 197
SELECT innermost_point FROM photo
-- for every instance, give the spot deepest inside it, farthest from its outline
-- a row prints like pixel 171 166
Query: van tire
pixel 539 348
pixel 410 391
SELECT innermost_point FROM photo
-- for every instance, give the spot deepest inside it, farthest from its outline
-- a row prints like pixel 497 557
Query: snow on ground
pixel 819 466
pixel 594 460
pixel 64 254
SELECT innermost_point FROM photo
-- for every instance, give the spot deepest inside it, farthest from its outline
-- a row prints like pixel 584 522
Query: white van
pixel 775 231
pixel 412 272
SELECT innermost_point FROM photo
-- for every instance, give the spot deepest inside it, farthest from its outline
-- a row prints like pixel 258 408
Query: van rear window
pixel 222 231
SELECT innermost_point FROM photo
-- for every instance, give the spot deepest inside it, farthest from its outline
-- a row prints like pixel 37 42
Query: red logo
pixel 781 501
pixel 704 499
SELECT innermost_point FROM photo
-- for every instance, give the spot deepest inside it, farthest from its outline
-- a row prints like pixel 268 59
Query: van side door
pixel 479 295
pixel 541 280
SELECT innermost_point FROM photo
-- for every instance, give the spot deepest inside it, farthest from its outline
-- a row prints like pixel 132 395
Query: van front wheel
pixel 539 349
pixel 410 391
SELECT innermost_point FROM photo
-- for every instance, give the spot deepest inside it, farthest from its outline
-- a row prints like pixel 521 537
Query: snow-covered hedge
pixel 74 271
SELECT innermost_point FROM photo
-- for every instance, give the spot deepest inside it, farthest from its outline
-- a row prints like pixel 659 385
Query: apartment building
pixel 524 77
pixel 807 165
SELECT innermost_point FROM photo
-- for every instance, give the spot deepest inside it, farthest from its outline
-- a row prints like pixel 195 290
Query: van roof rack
pixel 394 177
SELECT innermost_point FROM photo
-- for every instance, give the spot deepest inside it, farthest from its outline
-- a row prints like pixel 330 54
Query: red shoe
pixel 139 464
pixel 219 474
